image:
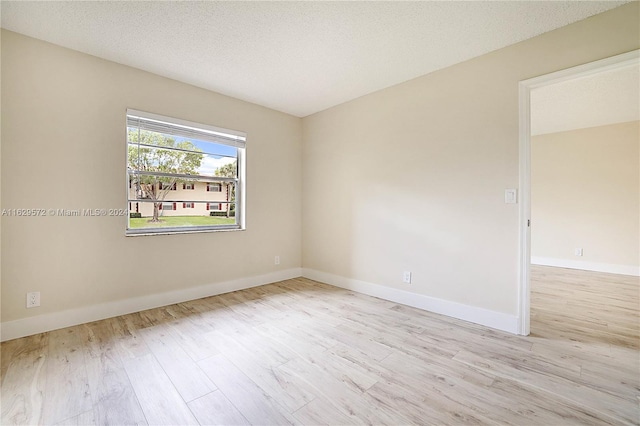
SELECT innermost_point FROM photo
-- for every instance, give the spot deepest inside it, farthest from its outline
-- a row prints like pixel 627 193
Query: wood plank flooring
pixel 302 352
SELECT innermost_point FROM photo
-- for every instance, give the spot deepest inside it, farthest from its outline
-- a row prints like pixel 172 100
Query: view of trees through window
pixel 178 182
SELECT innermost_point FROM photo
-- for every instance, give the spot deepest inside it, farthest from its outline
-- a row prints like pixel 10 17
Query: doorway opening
pixel 526 87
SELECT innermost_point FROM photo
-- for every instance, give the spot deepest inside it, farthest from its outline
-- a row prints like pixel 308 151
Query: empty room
pixel 320 213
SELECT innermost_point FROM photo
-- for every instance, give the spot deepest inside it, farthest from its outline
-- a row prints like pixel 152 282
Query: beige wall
pixel 418 171
pixel 585 193
pixel 63 134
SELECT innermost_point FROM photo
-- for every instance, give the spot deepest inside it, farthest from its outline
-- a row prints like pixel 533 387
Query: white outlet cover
pixel 33 299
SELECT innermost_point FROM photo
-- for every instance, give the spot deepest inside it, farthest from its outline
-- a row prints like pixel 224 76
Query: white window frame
pixel 202 132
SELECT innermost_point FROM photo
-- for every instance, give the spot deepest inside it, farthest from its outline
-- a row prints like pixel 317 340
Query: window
pixel 214 187
pixel 167 186
pixel 164 154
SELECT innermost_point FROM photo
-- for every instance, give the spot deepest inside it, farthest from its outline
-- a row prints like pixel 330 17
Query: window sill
pixel 141 233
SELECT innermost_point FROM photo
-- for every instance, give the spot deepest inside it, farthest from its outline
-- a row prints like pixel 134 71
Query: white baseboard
pixel 493 319
pixel 587 266
pixel 55 320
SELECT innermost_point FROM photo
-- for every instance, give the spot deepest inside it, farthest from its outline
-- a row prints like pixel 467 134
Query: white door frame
pixel 525 88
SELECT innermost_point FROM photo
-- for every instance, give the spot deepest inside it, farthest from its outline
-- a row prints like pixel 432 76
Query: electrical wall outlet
pixel 578 252
pixel 406 277
pixel 277 260
pixel 33 299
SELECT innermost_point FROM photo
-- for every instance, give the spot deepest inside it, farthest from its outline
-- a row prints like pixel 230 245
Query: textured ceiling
pixel 600 99
pixel 296 57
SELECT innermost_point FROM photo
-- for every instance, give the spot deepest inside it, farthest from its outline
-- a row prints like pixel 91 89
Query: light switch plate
pixel 510 196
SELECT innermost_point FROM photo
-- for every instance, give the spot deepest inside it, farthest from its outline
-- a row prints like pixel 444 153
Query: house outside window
pixel 214 187
pixel 167 186
pixel 172 161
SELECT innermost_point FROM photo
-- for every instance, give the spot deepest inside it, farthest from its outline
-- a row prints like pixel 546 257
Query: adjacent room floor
pixel 301 352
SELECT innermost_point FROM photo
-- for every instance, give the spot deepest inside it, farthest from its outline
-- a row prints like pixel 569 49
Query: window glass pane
pixel 218 166
pixel 162 188
pixel 200 214
pixel 189 162
pixel 177 182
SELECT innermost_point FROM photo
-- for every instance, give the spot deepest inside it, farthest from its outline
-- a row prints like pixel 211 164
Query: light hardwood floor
pixel 301 352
